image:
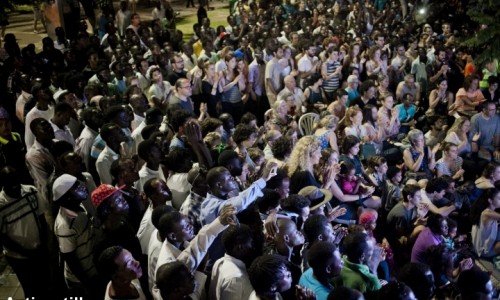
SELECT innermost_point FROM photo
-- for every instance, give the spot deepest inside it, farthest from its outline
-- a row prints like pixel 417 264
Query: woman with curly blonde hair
pixel 305 155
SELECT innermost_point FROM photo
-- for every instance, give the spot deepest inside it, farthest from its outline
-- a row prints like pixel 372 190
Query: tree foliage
pixel 486 38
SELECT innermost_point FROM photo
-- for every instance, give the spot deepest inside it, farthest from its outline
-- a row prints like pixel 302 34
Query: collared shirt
pixel 74 233
pixel 180 187
pixel 19 220
pixel 20 103
pixel 146 228
pixel 103 164
pixel 191 208
pixel 34 113
pixel 62 134
pixel 137 137
pixel 40 163
pixel 145 174
pixel 83 144
pixel 212 205
pixel 136 122
pixel 256 74
pixel 230 280
pixel 191 256
pixel 154 248
pixel 99 144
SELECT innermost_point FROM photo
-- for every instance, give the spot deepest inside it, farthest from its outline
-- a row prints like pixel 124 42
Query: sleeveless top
pixel 314 97
pixel 333 83
pixel 323 140
pixel 233 95
pixel 484 236
pixel 424 166
pixel 441 107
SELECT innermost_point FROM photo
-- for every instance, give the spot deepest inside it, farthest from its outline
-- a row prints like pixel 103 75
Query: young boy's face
pixel 397 178
pixel 452 232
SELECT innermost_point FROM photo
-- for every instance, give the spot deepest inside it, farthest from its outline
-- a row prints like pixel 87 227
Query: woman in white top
pixel 388 116
pixel 450 163
pixel 376 65
pixel 353 119
pixel 124 271
pixel 376 133
pixel 485 234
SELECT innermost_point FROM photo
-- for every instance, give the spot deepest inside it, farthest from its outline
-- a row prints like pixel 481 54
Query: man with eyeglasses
pixel 182 95
pixel 177 70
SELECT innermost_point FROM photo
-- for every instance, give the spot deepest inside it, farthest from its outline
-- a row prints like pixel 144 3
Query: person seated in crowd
pixel 432 235
pixel 201 145
pixel 485 224
pixel 270 275
pixel 360 263
pixel 326 264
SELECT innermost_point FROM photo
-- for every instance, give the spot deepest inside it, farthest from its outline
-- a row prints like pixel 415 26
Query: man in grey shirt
pixel 487 125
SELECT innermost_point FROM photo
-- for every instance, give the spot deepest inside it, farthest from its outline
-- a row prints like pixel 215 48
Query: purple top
pixel 425 240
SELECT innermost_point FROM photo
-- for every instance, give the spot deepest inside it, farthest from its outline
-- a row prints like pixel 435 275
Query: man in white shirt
pixel 113 136
pixel 291 87
pixel 151 153
pixel 42 109
pixel 41 163
pixel 139 105
pixel 158 194
pixel 62 115
pixel 273 75
pixel 229 279
pixel 176 231
pixel 400 64
pixel 309 63
pixel 93 120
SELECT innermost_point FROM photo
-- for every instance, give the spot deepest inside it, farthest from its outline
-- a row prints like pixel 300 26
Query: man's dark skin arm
pixel 193 135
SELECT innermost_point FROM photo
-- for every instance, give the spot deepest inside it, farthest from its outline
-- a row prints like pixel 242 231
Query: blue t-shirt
pixel 307 280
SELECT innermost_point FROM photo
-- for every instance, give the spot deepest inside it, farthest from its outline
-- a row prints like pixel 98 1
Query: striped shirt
pixel 74 232
pixel 19 220
pixel 333 83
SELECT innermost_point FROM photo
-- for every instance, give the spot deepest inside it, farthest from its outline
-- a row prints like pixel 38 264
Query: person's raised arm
pixel 198 247
pixel 193 135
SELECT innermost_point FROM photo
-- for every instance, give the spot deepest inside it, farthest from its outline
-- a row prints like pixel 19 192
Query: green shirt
pixel 357 276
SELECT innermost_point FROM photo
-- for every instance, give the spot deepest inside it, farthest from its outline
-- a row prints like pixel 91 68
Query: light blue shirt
pixel 307 280
pixel 406 114
pixel 212 205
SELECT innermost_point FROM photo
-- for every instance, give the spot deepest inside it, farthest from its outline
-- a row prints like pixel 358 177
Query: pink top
pixel 476 96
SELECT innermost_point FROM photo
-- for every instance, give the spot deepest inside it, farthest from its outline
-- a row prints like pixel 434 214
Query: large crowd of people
pixel 308 149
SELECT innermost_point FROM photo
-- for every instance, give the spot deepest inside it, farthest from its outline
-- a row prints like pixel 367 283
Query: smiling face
pixel 388 102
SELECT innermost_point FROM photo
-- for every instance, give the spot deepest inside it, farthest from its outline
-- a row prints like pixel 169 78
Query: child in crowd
pixel 349 182
pixel 393 188
pixel 377 173
pixel 368 219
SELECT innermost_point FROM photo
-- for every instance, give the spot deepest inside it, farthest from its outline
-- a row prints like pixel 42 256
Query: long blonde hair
pixel 300 159
pixel 457 125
